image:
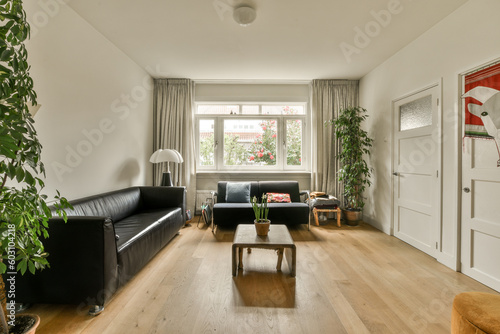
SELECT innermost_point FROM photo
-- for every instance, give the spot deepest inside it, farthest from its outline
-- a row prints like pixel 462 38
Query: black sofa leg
pixel 96 310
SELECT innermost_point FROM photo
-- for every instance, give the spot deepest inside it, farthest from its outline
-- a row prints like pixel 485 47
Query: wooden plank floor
pixel 349 280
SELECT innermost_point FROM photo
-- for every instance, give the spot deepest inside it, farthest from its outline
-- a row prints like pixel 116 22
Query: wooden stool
pixel 337 211
pixel 475 312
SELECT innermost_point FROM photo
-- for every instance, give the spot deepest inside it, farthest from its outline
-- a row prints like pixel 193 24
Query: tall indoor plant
pixel 23 209
pixel 354 173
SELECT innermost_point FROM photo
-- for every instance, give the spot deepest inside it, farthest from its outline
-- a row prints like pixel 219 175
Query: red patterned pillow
pixel 278 198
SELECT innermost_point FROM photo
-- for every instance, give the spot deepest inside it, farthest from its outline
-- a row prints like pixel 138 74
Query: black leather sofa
pixel 108 239
pixel 231 214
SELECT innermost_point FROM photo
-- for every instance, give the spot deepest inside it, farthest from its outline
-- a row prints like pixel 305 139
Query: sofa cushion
pixel 288 213
pixel 233 213
pixel 133 227
pixel 115 205
pixel 329 202
pixel 238 192
pixel 289 187
pixel 221 190
pixel 279 213
pixel 278 198
pixel 142 236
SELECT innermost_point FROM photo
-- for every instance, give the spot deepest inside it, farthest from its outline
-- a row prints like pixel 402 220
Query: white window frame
pixel 281 145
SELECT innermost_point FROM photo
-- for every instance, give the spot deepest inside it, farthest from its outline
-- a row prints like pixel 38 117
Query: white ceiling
pixel 289 40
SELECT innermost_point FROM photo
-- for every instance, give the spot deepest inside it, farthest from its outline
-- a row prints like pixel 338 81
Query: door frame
pixel 439 156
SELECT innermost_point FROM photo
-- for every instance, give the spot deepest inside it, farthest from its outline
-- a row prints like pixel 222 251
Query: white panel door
pixel 480 253
pixel 480 223
pixel 416 166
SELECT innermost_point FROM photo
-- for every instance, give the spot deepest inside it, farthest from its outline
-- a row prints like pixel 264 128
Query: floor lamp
pixel 166 155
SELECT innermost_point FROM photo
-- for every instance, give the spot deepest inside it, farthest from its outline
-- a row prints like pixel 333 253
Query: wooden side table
pixel 337 211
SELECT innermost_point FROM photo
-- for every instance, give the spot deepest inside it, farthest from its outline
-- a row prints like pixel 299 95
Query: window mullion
pixel 219 146
pixel 280 145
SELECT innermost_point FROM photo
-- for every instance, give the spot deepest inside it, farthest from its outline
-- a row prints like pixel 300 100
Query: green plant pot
pixel 352 217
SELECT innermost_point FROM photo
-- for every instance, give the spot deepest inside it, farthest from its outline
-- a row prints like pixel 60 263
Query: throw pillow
pixel 278 198
pixel 238 192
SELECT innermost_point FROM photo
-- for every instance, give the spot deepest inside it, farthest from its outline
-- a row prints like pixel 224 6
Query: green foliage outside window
pixel 234 152
pixel 263 149
pixel 207 151
pixel 294 142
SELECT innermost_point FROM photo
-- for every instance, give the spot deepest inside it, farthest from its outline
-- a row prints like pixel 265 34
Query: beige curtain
pixel 173 129
pixel 328 98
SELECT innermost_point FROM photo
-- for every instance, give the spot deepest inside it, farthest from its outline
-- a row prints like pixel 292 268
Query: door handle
pixel 466 190
pixel 395 173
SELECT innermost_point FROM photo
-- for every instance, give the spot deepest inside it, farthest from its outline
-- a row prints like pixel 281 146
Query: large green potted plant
pixel 24 213
pixel 354 173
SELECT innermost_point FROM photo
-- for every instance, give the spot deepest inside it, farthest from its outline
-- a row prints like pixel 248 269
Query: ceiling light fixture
pixel 244 15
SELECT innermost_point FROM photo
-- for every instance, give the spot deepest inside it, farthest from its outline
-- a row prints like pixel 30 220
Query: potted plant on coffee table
pixel 354 172
pixel 261 210
pixel 23 211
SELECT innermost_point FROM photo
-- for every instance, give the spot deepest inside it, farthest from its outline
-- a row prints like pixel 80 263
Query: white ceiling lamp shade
pixel 244 15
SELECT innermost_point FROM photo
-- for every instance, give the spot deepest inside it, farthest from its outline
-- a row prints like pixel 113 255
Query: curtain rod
pixel 252 82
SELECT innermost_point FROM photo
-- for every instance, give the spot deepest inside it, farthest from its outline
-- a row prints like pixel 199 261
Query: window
pixel 251 136
pixel 416 114
pixel 207 141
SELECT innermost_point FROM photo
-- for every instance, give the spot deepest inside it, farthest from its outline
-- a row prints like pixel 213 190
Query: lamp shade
pixel 166 155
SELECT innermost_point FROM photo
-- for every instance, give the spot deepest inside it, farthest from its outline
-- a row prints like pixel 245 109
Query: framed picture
pixel 481 94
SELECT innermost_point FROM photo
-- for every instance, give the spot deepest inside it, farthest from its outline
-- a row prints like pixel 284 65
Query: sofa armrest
pixel 83 264
pixel 164 197
pixel 214 197
pixel 308 199
pixel 214 201
pixel 307 194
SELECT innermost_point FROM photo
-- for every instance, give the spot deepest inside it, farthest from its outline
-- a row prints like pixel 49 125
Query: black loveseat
pixel 108 239
pixel 231 214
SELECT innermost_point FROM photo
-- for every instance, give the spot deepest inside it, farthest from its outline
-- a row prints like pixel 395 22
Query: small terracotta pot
pixel 262 227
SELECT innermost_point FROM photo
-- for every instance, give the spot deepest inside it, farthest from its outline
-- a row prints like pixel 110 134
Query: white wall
pixel 260 92
pixel 95 123
pixel 463 40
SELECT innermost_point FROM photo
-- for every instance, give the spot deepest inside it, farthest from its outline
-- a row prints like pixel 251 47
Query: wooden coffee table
pixel 279 239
